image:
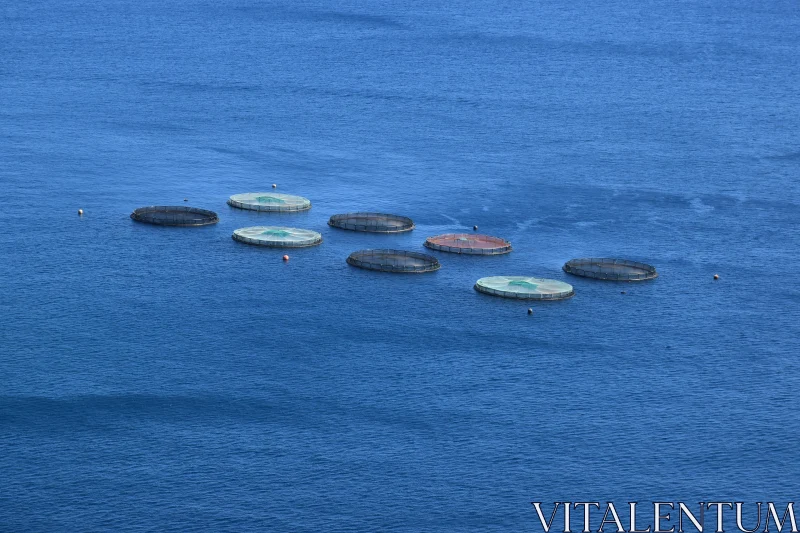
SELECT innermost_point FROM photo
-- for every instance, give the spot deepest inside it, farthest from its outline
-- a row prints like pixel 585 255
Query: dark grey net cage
pixel 175 215
pixel 610 269
pixel 393 261
pixel 372 222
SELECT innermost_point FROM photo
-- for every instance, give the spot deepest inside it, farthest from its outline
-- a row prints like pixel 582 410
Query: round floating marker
pixel 277 236
pixel 270 201
pixel 530 311
pixel 610 269
pixel 185 199
pixel 80 212
pixel 175 215
pixel 525 288
pixel 467 243
pixel 716 276
pixel 274 186
pixel 475 228
pixel 285 257
pixel 393 261
pixel 372 222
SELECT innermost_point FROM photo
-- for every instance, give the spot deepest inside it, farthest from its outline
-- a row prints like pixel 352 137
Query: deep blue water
pixel 172 379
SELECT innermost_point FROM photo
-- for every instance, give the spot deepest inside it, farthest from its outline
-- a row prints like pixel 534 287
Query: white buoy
pixel 716 276
pixel 475 228
pixel 530 311
pixel 80 212
pixel 274 186
pixel 285 257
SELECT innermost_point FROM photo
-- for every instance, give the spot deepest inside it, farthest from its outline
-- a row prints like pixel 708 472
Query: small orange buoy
pixel 285 257
pixel 274 186
pixel 80 212
pixel 716 276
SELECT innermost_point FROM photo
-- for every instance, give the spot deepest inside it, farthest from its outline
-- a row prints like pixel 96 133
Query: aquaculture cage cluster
pixel 372 222
pixel 393 261
pixel 277 236
pixel 610 269
pixel 525 288
pixel 467 243
pixel 401 261
pixel 174 215
pixel 270 201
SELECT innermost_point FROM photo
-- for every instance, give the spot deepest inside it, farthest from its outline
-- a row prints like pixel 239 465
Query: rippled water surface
pixel 173 379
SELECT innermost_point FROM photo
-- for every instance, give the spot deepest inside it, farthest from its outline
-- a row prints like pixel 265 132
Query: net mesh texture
pixel 372 222
pixel 277 236
pixel 468 243
pixel 270 201
pixel 174 215
pixel 525 288
pixel 610 269
pixel 393 261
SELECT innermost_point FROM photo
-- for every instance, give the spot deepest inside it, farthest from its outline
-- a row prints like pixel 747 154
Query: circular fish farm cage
pixel 372 222
pixel 393 261
pixel 467 243
pixel 272 202
pixel 525 288
pixel 174 215
pixel 610 269
pixel 277 236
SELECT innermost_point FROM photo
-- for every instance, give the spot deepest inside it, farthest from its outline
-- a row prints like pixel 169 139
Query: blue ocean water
pixel 171 379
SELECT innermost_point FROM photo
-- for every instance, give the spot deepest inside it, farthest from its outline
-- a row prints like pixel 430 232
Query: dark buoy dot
pixel 716 276
pixel 475 228
pixel 274 186
pixel 530 311
pixel 185 199
pixel 80 212
pixel 285 257
pixel 622 292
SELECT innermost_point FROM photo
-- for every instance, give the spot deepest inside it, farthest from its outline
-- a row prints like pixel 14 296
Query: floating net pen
pixel 468 243
pixel 525 288
pixel 277 236
pixel 610 269
pixel 393 261
pixel 270 202
pixel 174 215
pixel 372 222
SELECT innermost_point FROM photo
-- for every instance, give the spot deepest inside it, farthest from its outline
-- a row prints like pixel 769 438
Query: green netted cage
pixel 610 269
pixel 525 288
pixel 372 222
pixel 272 202
pixel 393 261
pixel 277 236
pixel 468 243
pixel 174 215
